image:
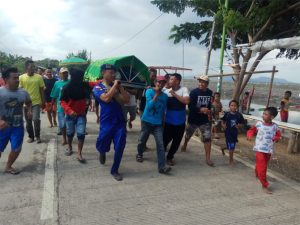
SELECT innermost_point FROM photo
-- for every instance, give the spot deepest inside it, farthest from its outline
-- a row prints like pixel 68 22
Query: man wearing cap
pixel 111 97
pixel 56 95
pixel 152 122
pixel 200 106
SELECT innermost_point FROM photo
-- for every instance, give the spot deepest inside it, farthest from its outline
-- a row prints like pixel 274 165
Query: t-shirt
pixel 49 83
pixel 266 135
pixel 111 112
pixel 154 111
pixel 143 98
pixel 32 85
pixel 198 99
pixel 231 120
pixel 11 105
pixel 132 101
pixel 56 93
pixel 176 114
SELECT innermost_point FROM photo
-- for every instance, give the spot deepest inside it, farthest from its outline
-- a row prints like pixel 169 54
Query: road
pixel 56 189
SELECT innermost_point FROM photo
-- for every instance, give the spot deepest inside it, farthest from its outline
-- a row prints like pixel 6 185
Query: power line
pixel 135 35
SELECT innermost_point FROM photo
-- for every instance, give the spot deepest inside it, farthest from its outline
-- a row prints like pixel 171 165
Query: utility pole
pixel 220 78
pixel 209 47
pixel 182 61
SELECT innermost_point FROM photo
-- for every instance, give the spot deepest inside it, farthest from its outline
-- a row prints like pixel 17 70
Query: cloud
pixel 53 28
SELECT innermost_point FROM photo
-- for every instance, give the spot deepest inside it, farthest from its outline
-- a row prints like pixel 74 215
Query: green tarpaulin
pixel 73 61
pixel 130 70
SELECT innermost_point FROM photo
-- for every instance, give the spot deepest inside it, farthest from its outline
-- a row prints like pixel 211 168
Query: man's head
pixel 49 73
pixel 269 114
pixel 287 94
pixel 175 80
pixel 153 74
pixel 203 82
pixel 160 82
pixel 30 67
pixel 11 78
pixel 76 76
pixel 217 96
pixel 40 71
pixel 64 73
pixel 108 72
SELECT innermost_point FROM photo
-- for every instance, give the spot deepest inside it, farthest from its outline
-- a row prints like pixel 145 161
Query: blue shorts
pixel 61 120
pixel 76 123
pixel 13 134
pixel 230 145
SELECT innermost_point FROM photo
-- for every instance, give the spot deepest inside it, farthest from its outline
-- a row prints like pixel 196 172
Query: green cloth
pixel 56 93
pixel 129 69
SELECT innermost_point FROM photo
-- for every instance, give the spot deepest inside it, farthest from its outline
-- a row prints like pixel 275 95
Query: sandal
pixel 82 161
pixel 210 163
pixel 139 158
pixel 68 152
pixel 12 171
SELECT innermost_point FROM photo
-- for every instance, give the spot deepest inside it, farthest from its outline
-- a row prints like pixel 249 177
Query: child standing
pixel 284 106
pixel 267 133
pixel 231 121
pixel 216 110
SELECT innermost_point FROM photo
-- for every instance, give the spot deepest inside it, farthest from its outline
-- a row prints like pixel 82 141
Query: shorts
pixel 131 110
pixel 61 120
pixel 205 130
pixel 13 134
pixel 76 123
pixel 49 107
pixel 284 116
pixel 230 145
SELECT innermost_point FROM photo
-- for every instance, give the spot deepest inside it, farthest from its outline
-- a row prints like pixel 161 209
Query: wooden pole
pixel 271 85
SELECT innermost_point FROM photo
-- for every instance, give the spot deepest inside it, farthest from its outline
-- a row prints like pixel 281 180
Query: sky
pixel 53 28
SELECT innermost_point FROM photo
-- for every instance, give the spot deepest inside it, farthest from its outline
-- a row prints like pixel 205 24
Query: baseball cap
pixel 160 78
pixel 107 67
pixel 63 69
pixel 203 77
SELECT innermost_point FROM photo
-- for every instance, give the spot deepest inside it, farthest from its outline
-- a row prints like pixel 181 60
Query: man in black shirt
pixel 199 116
pixel 50 107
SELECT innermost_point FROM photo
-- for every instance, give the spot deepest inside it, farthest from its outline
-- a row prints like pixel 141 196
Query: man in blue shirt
pixel 111 96
pixel 152 122
pixel 178 98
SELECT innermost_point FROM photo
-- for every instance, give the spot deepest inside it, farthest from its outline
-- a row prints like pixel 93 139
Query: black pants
pixel 173 133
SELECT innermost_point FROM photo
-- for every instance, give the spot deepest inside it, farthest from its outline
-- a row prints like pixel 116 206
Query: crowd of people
pixel 162 108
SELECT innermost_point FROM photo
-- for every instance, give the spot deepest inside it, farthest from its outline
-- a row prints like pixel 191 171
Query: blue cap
pixel 107 67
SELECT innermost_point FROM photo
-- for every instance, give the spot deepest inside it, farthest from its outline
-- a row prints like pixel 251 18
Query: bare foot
pixel 223 150
pixel 55 123
pixel 129 124
pixel 63 143
pixel 267 190
pixel 232 163
pixel 50 126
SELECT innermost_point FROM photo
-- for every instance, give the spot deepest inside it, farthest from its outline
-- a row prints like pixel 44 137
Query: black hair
pixel 153 70
pixel 234 101
pixel 288 92
pixel 49 68
pixel 167 75
pixel 7 72
pixel 177 75
pixel 247 92
pixel 27 62
pixel 272 110
pixel 217 93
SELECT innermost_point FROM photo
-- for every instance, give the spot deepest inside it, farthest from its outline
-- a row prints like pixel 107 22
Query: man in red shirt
pixel 74 101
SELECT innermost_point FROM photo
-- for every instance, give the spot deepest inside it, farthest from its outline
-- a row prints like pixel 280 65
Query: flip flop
pixel 82 161
pixel 210 163
pixel 13 171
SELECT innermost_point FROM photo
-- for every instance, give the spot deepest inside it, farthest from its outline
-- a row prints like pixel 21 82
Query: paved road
pixel 86 194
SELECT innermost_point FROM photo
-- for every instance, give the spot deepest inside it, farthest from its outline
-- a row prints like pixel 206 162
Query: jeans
pixel 77 123
pixel 174 134
pixel 157 131
pixel 61 120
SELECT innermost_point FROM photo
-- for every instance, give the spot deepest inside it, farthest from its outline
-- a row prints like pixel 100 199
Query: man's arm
pixel 183 99
pixel 107 97
pixel 28 105
pixel 124 94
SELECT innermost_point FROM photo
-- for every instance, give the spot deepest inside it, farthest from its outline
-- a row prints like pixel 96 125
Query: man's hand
pixel 3 124
pixel 29 114
pixel 173 93
pixel 249 138
pixel 73 114
pixel 43 104
pixel 204 110
pixel 98 120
